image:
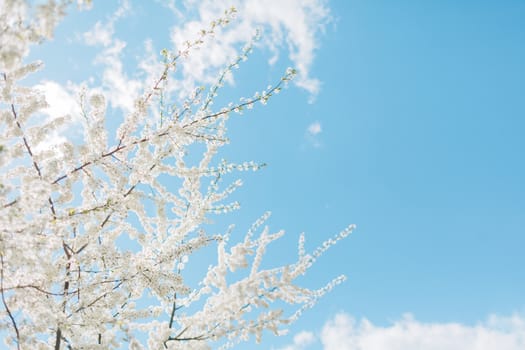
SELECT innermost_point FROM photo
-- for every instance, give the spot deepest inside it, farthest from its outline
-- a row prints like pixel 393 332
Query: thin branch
pixel 68 251
pixel 97 299
pixel 32 287
pixel 178 337
pixel 10 203
pixel 30 152
pixel 58 339
pixel 166 132
pixel 173 309
pixel 5 303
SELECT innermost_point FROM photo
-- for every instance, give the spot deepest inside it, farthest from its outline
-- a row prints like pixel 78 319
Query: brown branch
pixel 30 152
pixel 109 153
pixel 67 251
pixel 10 203
pixel 166 132
pixel 58 339
pixel 104 222
pixel 32 287
pixel 97 299
pixel 236 107
pixel 43 291
pixel 173 309
pixel 5 303
pixel 198 337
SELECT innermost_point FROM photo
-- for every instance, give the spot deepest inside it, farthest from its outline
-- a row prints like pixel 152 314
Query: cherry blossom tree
pixel 65 281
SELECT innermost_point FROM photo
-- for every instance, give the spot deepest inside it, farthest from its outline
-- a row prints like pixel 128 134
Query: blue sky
pixel 407 120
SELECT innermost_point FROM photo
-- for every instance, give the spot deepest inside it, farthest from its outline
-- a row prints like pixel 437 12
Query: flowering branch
pixel 5 302
pixel 65 211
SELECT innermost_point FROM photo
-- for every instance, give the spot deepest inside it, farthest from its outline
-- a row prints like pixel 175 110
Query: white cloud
pixel 62 101
pixel 102 33
pixel 314 128
pixel 99 34
pixel 344 332
pixel 120 90
pixel 312 134
pixel 301 341
pixel 172 6
pixel 291 25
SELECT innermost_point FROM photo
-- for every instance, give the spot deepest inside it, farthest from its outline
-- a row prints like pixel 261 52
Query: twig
pixel 5 303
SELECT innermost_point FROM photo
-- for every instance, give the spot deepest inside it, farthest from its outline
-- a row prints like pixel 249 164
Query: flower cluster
pixel 66 281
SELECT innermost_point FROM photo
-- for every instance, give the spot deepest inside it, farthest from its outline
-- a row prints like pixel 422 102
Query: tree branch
pixel 30 152
pixel 5 303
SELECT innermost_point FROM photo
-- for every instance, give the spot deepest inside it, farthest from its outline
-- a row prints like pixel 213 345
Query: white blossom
pixel 65 280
